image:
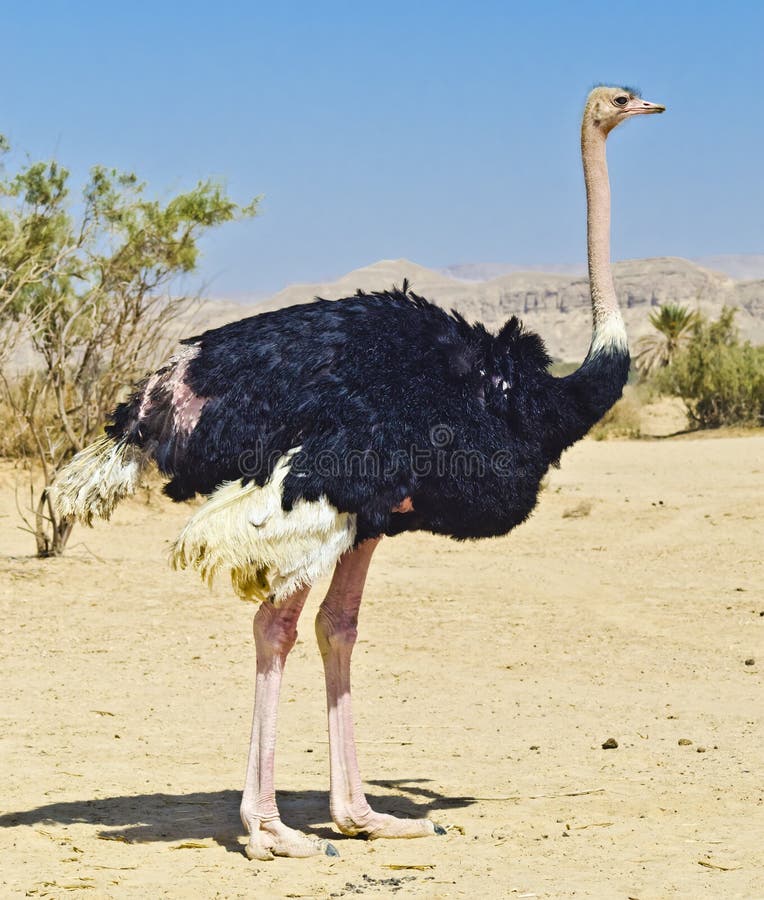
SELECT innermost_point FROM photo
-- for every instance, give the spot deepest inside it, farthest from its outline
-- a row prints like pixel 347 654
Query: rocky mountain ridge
pixel 554 304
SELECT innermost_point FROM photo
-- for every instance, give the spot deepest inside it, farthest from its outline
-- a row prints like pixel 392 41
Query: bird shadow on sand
pixel 214 815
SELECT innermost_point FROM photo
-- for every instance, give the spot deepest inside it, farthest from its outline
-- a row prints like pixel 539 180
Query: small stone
pixel 684 742
pixel 750 662
pixel 610 744
pixel 700 749
pixel 534 747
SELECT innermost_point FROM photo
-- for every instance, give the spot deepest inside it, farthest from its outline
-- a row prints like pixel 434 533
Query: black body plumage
pixel 388 396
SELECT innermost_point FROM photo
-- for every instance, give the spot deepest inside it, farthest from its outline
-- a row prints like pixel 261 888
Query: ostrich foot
pixel 274 838
pixel 372 825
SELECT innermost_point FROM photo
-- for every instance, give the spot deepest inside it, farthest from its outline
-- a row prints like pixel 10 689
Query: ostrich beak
pixel 640 107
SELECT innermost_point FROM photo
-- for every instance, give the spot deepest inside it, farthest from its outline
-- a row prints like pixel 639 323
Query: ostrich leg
pixel 336 629
pixel 275 629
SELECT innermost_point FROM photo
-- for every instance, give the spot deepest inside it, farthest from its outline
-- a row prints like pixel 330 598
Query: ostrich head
pixel 607 107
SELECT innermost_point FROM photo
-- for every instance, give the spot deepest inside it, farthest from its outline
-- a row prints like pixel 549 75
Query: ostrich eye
pixel 622 101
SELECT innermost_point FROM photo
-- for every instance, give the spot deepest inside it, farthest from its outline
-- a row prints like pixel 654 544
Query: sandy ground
pixel 487 677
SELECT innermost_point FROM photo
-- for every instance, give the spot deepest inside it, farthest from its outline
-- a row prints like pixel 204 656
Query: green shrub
pixel 88 293
pixel 720 379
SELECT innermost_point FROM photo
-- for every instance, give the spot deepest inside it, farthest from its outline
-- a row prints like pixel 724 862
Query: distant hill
pixel 745 266
pixel 488 271
pixel 555 305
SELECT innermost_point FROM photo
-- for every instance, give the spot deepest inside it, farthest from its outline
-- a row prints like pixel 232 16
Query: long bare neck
pixel 608 329
pixel 583 397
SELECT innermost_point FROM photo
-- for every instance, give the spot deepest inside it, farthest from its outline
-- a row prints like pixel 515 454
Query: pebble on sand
pixel 610 744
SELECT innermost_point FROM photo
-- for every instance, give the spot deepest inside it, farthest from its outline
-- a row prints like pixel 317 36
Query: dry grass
pixel 624 420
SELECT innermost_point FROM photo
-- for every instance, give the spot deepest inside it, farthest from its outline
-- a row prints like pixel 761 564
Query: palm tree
pixel 673 326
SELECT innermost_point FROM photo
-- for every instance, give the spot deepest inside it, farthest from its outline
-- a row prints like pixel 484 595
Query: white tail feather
pixel 96 479
pixel 270 553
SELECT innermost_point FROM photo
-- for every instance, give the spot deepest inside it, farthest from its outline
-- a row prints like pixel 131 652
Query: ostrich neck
pixel 584 396
pixel 608 328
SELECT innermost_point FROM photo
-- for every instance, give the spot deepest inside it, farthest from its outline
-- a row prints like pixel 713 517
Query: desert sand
pixel 486 679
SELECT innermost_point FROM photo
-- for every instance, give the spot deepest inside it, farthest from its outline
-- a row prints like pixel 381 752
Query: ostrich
pixel 319 428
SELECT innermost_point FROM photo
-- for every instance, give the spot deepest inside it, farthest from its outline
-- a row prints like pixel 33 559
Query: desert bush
pixel 17 441
pixel 87 294
pixel 720 378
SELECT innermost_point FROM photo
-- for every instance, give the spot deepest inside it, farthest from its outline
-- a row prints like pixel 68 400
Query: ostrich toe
pixel 276 839
pixel 375 825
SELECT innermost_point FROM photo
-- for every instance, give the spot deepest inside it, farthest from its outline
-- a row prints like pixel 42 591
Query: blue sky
pixel 444 132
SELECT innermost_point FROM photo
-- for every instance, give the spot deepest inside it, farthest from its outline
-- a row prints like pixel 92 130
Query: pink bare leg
pixel 275 629
pixel 336 629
